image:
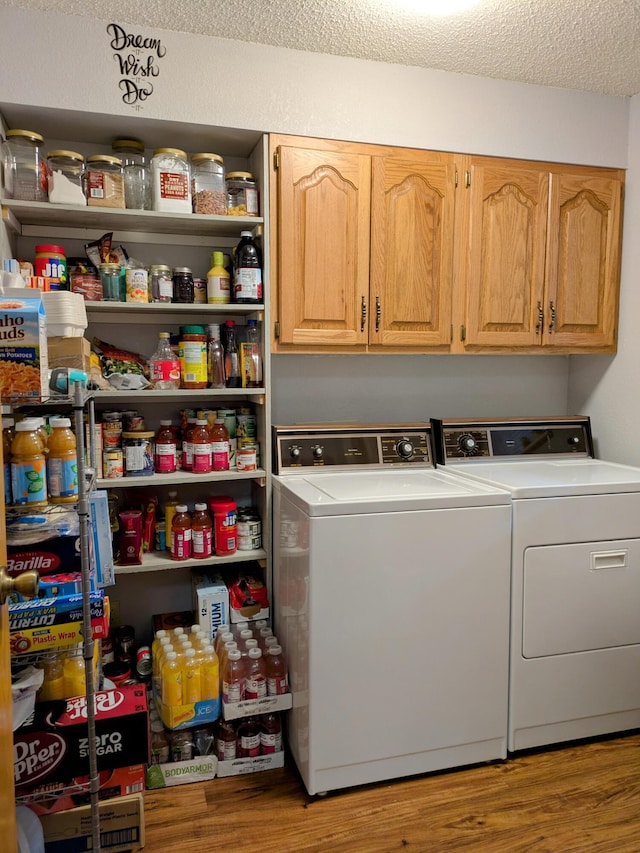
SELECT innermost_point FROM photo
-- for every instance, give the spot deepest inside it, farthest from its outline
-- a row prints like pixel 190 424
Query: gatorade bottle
pixel 28 466
pixel 191 688
pixel 247 272
pixel 62 463
pixel 171 680
pixel 233 682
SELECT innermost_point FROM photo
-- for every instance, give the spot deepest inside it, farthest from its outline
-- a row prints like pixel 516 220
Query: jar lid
pixel 178 152
pixel 104 158
pixel 196 158
pixel 159 268
pixel 30 135
pixel 49 249
pixel 182 270
pixel 164 335
pixel 247 175
pixel 192 330
pixel 127 144
pixel 110 268
pixel 139 433
pixel 61 152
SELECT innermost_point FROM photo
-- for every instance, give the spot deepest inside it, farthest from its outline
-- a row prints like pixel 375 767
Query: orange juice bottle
pixel 171 680
pixel 62 463
pixel 28 465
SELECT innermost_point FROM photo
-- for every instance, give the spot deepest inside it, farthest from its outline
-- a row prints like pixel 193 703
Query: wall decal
pixel 137 59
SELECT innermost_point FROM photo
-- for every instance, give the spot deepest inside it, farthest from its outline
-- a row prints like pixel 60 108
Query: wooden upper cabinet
pixel 412 221
pixel 504 268
pixel 583 261
pixel 323 208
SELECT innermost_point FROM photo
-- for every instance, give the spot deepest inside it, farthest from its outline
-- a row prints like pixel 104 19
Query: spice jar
pixel 25 170
pixel 242 194
pixel 183 290
pixel 66 177
pixel 110 278
pixel 160 283
pixel 171 180
pixel 193 357
pixel 208 189
pixel 104 181
pixel 137 177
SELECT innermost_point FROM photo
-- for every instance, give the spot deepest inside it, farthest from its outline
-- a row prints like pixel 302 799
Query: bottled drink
pixel 202 532
pixel 255 675
pixel 263 635
pixel 28 466
pixel 164 366
pixel 171 680
pixel 160 752
pixel 191 688
pixel 233 682
pixel 222 638
pixel 209 673
pixel 249 738
pixel 219 445
pixel 218 284
pixel 243 636
pixel 276 671
pixel 215 358
pixel 226 741
pixel 53 686
pixel 7 437
pixel 62 463
pixel 165 449
pixel 74 677
pixel 169 512
pixel 251 360
pixel 231 357
pixel 187 446
pixel 270 734
pixel 247 272
pixel 181 542
pixel 200 448
pixel 239 627
pixel 181 745
pixel 229 646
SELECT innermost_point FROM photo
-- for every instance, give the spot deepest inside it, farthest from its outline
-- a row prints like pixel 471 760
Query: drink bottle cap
pixel 275 650
pixel 234 654
pixel 255 653
pixel 200 508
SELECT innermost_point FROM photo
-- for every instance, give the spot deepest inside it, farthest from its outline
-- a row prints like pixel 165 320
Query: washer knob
pixel 467 443
pixel 318 452
pixel 294 452
pixel 404 448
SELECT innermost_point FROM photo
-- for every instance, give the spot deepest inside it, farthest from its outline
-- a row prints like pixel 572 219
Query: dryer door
pixel 581 597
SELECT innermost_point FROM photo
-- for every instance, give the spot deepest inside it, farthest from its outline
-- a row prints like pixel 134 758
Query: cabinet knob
pixel 26 584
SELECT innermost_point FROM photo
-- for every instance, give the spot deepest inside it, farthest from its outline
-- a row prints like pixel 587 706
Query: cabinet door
pixel 506 250
pixel 583 261
pixel 323 246
pixel 412 211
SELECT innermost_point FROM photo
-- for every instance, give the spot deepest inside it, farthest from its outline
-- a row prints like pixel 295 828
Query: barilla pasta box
pixel 24 365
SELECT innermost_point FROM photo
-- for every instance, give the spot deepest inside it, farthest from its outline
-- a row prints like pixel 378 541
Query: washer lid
pixel 386 491
pixel 548 478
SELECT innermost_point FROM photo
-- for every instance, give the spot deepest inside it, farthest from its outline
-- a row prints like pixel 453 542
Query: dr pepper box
pixel 54 749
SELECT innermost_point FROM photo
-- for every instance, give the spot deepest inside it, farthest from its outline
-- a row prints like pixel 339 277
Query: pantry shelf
pixel 133 312
pixel 158 562
pixel 179 478
pixel 182 395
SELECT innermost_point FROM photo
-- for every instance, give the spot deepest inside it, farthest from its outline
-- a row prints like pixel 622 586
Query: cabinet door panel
pixel 412 218
pixel 505 264
pixel 323 246
pixel 583 261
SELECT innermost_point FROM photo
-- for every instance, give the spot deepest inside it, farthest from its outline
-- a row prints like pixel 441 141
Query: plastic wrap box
pixel 198 769
pixel 54 748
pixel 49 623
pixel 210 602
pixel 58 797
pixel 240 766
pixel 121 827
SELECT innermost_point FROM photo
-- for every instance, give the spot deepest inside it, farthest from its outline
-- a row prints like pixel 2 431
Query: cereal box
pixel 24 366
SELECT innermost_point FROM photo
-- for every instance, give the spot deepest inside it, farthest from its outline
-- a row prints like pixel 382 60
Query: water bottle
pixel 215 358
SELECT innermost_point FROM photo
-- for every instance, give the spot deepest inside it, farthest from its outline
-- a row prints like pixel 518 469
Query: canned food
pixel 125 639
pixel 247 458
pixel 245 424
pixel 113 464
pixel 137 281
pixel 132 421
pixel 249 530
pixel 111 429
pixel 161 536
pixel 143 661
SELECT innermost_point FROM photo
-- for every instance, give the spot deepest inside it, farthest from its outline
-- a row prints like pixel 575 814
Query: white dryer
pixel 391 593
pixel 575 590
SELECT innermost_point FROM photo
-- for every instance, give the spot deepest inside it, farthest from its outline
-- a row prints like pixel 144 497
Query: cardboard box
pixel 248 598
pixel 58 797
pixel 210 602
pixel 102 548
pixel 169 621
pixel 49 623
pixel 187 716
pixel 121 827
pixel 182 772
pixel 24 366
pixel 55 748
pixel 249 707
pixel 59 554
pixel 240 766
pixel 69 352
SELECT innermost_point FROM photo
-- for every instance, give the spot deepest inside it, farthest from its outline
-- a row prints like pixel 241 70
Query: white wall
pixel 208 81
pixel 608 387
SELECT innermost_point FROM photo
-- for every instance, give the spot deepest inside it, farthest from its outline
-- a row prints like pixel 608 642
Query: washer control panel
pixel 348 447
pixel 458 441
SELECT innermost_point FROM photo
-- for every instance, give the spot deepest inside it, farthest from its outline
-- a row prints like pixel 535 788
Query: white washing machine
pixel 391 593
pixel 575 595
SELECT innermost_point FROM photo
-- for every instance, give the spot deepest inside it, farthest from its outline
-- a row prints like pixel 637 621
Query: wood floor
pixel 578 799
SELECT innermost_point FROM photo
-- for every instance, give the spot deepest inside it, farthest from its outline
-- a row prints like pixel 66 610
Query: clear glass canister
pixel 104 181
pixel 208 188
pixel 25 169
pixel 171 180
pixel 137 173
pixel 66 177
pixel 110 275
pixel 242 194
pixel 161 283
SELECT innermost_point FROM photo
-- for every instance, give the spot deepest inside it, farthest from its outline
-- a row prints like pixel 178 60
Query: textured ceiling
pixel 590 45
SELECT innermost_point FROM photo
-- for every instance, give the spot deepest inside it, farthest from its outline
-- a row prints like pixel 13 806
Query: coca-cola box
pixel 54 749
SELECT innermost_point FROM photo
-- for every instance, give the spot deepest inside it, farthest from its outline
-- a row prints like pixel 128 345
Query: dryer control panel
pixel 342 447
pixel 457 441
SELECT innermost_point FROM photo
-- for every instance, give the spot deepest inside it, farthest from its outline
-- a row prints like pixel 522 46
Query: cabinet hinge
pixel 463 333
pixel 451 334
pixel 276 160
pixel 276 329
pixel 467 178
pixel 456 181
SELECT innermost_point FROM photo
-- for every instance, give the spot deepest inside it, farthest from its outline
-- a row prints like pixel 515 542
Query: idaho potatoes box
pixel 121 827
pixel 24 365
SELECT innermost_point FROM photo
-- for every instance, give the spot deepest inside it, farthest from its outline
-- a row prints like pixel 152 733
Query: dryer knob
pixel 404 448
pixel 318 452
pixel 467 443
pixel 294 452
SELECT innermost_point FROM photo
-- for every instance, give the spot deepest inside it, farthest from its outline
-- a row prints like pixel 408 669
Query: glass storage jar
pixel 242 194
pixel 104 181
pixel 160 283
pixel 137 175
pixel 66 177
pixel 208 188
pixel 183 291
pixel 25 169
pixel 171 180
pixel 110 275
